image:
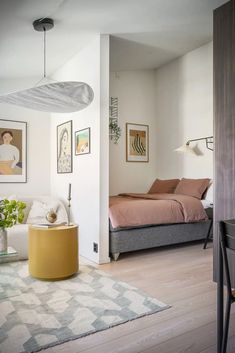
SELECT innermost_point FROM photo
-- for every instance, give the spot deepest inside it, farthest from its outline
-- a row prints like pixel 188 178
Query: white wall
pixel 176 101
pixel 38 146
pixel 136 94
pixel 104 149
pixel 184 110
pixel 89 198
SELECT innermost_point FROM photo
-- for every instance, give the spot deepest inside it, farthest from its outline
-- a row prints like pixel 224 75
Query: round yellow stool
pixel 53 252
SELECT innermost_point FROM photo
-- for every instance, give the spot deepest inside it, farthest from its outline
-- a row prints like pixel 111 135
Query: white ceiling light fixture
pixel 55 97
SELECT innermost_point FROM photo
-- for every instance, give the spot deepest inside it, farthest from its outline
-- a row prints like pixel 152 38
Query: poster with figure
pixel 137 143
pixel 64 148
pixel 13 150
pixel 82 141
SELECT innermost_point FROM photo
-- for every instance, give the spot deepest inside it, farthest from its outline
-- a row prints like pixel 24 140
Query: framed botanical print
pixel 13 151
pixel 137 143
pixel 64 148
pixel 82 142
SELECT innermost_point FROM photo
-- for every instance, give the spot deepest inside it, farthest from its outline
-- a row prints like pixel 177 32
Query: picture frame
pixel 137 142
pixel 82 141
pixel 64 148
pixel 13 151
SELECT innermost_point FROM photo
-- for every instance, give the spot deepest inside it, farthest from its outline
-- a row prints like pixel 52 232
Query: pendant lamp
pixel 55 97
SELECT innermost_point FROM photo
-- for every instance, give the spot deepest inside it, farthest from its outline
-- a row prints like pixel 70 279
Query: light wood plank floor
pixel 180 276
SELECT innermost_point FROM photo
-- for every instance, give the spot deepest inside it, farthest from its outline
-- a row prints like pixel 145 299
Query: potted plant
pixel 114 130
pixel 11 213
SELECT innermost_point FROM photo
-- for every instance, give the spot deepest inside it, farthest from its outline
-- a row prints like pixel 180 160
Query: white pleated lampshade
pixel 58 97
pixel 186 149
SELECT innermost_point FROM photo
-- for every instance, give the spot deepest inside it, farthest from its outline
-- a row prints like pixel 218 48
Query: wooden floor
pixel 180 276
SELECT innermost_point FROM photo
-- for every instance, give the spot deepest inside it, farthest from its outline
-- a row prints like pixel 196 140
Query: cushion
pixel 39 211
pixel 192 187
pixel 164 186
pixel 27 210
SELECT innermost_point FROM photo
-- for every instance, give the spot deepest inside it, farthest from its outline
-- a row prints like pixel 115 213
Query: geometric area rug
pixel 38 314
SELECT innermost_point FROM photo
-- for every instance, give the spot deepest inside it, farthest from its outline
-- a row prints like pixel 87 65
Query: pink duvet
pixel 127 210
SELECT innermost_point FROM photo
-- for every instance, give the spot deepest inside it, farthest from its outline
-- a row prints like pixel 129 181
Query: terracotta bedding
pixel 127 210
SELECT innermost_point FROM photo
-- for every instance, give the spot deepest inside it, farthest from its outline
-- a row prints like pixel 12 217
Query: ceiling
pixel 145 33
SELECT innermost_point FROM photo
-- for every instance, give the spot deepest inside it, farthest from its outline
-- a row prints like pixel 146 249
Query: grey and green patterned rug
pixel 38 314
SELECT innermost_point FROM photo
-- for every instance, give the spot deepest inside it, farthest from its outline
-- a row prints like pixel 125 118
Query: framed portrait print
pixel 13 151
pixel 64 148
pixel 137 143
pixel 82 142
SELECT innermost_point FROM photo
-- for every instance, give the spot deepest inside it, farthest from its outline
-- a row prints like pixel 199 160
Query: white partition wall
pixel 90 171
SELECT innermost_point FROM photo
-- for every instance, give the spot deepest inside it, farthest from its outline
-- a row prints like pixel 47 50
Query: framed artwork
pixel 64 148
pixel 13 151
pixel 82 142
pixel 137 143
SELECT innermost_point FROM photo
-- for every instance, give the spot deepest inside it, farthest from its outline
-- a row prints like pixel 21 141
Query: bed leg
pixel 207 236
pixel 115 255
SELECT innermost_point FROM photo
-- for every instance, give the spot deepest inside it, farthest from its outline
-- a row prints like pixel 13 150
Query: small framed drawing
pixel 64 148
pixel 137 143
pixel 13 151
pixel 82 142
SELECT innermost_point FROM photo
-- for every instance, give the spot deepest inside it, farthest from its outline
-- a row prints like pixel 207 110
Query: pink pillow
pixel 192 187
pixel 163 186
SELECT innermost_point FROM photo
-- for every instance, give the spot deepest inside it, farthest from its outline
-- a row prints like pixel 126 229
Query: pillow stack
pixel 190 187
pixel 164 186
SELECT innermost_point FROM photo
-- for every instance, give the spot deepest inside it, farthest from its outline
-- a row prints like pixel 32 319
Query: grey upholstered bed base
pixel 124 240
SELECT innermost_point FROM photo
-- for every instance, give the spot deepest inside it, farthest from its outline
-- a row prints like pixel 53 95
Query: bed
pixel 142 221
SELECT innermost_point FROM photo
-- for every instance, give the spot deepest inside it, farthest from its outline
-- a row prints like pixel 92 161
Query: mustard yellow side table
pixel 53 252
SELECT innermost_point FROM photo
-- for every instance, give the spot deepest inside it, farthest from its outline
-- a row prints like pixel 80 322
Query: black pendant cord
pixel 44 43
pixel 43 25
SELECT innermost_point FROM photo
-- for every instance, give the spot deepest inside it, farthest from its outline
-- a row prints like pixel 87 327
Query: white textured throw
pixel 39 211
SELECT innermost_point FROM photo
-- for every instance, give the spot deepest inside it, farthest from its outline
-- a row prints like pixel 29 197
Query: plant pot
pixel 3 240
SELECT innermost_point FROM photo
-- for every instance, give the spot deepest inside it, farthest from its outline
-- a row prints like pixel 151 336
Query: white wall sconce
pixel 189 150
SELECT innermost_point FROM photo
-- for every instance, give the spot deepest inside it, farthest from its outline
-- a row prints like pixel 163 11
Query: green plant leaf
pixel 11 212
